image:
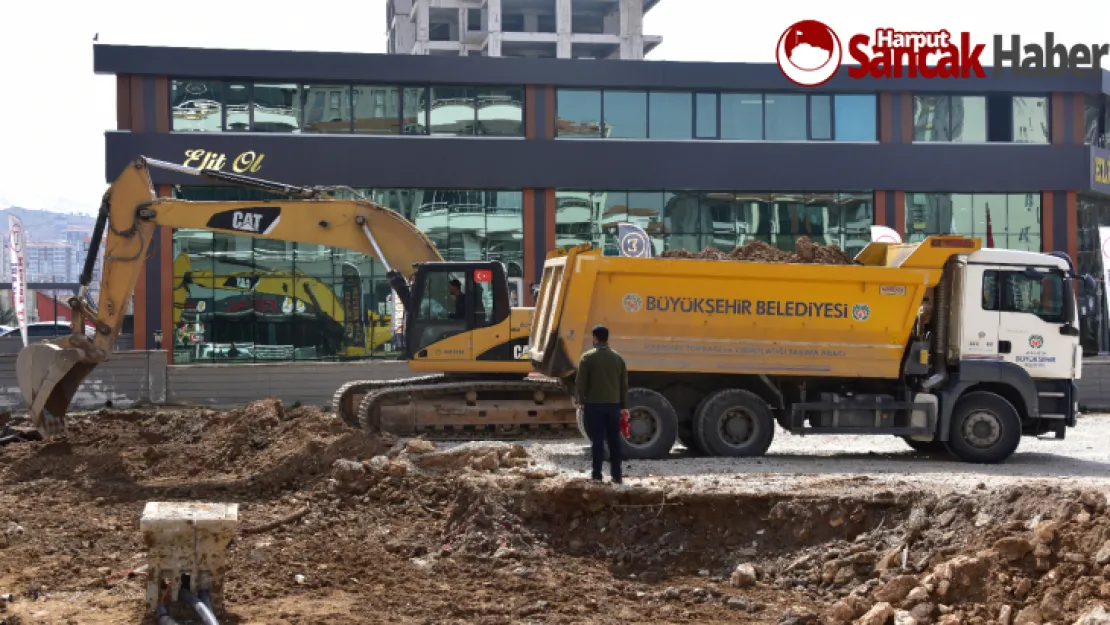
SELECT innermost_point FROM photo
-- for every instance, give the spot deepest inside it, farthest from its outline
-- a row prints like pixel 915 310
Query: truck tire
pixel 985 429
pixel 653 423
pixel 926 447
pixel 734 423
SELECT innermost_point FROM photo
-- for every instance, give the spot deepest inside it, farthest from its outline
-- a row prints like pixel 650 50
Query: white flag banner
pixel 1104 245
pixel 19 273
pixel 882 234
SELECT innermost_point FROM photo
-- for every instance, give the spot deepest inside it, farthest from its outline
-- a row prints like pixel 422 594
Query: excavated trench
pixel 493 533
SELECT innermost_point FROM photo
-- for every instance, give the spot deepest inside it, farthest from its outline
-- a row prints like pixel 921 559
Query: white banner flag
pixel 19 273
pixel 882 234
pixel 1104 245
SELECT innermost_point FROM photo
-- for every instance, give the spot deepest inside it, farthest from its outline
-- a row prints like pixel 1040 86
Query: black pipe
pixel 94 241
pixel 203 611
pixel 259 183
pixel 164 617
pixel 940 327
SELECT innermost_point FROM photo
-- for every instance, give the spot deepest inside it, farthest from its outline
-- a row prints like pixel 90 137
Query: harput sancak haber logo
pixel 633 303
pixel 1036 341
pixel 861 312
pixel 809 53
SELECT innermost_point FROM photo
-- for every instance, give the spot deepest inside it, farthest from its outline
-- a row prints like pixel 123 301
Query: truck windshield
pixel 1014 291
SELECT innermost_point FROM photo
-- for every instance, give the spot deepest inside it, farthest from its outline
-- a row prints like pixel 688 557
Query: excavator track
pixel 345 401
pixel 471 410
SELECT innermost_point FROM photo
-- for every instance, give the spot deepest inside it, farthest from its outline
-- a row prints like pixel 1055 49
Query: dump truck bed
pixel 684 315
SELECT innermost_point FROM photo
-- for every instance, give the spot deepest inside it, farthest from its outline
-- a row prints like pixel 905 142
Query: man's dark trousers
pixel 603 424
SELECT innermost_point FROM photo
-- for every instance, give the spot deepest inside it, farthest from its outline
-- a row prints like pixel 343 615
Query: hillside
pixel 44 225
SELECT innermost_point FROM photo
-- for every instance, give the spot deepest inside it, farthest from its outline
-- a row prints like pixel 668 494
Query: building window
pixel 415 116
pixel 1010 221
pixel 254 300
pixel 200 105
pixel 742 116
pixel 579 113
pixel 196 105
pixel 276 107
pixel 950 118
pixel 238 117
pixel 501 112
pixel 625 114
pixel 856 117
pixel 1030 119
pixel 1092 211
pixel 453 111
pixel 671 115
pixel 326 108
pixel 785 117
pixel 706 115
pixel 820 118
pixel 694 220
pixel 377 110
pixel 1096 119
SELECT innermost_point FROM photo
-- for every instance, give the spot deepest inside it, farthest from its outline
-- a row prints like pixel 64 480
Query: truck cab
pixel 1014 320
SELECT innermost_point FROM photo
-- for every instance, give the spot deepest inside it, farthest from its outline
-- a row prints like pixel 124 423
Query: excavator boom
pixel 49 373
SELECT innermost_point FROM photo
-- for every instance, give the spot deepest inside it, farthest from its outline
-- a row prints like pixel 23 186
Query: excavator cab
pixel 448 301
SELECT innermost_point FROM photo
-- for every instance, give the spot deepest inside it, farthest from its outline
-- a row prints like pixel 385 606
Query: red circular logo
pixel 809 53
pixel 1106 249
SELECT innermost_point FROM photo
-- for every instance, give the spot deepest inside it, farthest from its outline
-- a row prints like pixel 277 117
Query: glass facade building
pixel 506 159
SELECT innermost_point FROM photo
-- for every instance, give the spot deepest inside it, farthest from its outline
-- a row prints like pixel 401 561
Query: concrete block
pixel 186 546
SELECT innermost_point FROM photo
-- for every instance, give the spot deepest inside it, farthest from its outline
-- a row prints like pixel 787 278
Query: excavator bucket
pixel 49 375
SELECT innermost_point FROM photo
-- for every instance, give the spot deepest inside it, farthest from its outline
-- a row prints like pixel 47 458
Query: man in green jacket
pixel 602 392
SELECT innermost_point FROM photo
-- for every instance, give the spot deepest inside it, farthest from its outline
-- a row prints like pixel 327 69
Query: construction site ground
pixel 337 528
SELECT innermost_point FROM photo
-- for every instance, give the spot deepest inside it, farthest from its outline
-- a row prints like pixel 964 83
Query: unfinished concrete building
pixel 565 29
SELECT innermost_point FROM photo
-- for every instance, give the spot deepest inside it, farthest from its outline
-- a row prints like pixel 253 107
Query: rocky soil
pixel 759 252
pixel 337 528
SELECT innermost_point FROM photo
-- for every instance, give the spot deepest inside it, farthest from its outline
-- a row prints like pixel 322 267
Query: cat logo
pixel 246 221
pixel 253 220
pixel 519 352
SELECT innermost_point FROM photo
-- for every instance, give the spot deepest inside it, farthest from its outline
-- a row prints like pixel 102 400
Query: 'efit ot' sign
pixel 1100 171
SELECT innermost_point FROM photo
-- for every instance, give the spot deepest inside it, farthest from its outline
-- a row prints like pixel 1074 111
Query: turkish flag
pixel 483 275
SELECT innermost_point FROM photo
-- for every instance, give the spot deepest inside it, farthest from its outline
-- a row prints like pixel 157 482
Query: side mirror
pixel 1068 329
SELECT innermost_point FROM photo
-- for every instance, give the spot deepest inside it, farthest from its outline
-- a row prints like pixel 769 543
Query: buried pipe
pixel 203 611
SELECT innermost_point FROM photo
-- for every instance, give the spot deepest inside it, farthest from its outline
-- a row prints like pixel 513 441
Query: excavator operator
pixel 455 288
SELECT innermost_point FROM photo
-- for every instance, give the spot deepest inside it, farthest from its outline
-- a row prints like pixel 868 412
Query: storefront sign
pixel 1100 170
pixel 246 162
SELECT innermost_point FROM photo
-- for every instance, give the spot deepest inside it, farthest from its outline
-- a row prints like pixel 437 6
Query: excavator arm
pixel 50 372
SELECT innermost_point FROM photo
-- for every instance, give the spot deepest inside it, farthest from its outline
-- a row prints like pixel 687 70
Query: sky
pixel 52 151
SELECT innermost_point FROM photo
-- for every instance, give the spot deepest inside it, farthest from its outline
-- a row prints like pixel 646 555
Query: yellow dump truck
pixel 942 343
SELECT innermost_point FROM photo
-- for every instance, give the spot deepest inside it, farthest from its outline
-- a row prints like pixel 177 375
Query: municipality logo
pixel 1036 341
pixel 861 312
pixel 633 303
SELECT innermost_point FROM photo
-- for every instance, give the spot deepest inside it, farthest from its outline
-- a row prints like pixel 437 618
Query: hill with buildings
pixel 44 225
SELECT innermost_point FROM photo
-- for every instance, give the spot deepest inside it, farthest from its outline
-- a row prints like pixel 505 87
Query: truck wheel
pixel 653 425
pixel 985 429
pixel 926 447
pixel 734 423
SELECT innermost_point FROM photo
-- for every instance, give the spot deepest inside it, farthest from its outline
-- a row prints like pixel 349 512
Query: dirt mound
pixel 330 523
pixel 761 252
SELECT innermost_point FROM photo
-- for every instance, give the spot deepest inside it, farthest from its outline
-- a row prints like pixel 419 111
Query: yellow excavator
pixel 460 331
pixel 342 332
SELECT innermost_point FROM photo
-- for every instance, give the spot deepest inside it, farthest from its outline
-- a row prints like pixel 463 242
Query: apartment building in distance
pixel 565 29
